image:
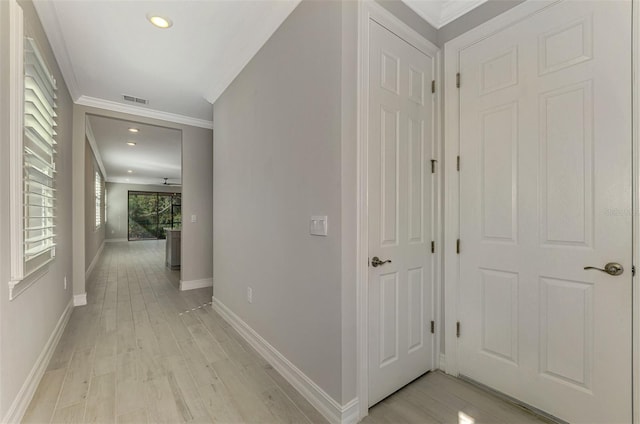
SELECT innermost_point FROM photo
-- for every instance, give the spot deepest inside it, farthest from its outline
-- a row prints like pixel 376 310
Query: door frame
pixel 452 51
pixel 369 10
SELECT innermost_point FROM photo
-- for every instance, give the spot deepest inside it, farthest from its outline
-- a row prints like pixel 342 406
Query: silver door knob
pixel 612 268
pixel 376 262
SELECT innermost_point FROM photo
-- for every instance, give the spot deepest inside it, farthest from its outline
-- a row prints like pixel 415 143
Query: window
pixel 106 205
pixel 98 189
pixel 33 157
pixel 151 212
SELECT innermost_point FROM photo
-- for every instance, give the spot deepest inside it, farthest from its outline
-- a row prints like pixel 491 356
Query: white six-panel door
pixel 545 190
pixel 400 202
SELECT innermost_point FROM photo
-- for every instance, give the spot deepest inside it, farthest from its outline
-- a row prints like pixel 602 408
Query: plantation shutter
pixel 39 160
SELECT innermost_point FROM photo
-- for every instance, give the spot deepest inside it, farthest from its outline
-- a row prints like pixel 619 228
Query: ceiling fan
pixel 166 182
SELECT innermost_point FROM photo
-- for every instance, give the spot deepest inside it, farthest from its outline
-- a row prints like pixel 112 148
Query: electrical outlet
pixel 249 295
pixel 65 282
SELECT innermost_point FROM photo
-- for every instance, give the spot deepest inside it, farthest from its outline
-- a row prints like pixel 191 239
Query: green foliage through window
pixel 150 213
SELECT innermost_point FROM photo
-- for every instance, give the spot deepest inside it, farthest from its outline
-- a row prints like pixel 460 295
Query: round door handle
pixel 612 268
pixel 376 262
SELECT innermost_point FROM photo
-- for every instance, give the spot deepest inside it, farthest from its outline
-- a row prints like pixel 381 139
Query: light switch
pixel 194 218
pixel 318 226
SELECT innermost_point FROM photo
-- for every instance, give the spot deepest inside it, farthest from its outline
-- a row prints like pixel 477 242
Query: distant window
pixel 98 189
pixel 106 204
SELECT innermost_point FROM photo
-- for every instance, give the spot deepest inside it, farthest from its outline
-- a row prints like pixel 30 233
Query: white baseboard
pixel 80 299
pixel 325 404
pixel 93 263
pixel 115 240
pixel 196 284
pixel 350 412
pixel 28 389
pixel 442 364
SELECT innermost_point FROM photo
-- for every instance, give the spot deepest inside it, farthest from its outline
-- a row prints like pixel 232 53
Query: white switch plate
pixel 249 295
pixel 194 218
pixel 318 225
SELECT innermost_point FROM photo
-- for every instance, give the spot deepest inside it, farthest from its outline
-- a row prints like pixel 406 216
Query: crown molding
pixel 452 10
pixel 145 112
pixel 440 13
pixel 49 18
pixel 94 147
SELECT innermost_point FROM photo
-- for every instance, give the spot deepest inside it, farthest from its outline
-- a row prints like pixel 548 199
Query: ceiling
pixel 156 155
pixel 108 48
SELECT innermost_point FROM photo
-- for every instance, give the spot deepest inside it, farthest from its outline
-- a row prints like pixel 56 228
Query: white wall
pixel 27 322
pixel 117 207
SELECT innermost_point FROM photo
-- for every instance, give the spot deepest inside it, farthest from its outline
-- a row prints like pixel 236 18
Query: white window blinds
pixel 98 189
pixel 39 160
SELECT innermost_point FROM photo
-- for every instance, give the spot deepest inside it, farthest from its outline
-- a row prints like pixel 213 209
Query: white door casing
pixel 401 213
pixel 545 190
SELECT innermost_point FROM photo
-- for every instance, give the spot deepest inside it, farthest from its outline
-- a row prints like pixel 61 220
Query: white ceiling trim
pixel 141 111
pixel 440 13
pixel 49 19
pixel 94 146
pixel 452 10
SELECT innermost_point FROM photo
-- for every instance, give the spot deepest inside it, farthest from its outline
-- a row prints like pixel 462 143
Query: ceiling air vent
pixel 134 99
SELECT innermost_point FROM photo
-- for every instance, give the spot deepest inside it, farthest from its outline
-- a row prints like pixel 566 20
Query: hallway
pixel 143 352
pixel 134 354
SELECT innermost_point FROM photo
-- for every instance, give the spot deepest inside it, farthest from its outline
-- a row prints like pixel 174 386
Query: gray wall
pixel 411 18
pixel 93 238
pixel 27 322
pixel 285 149
pixel 477 16
pixel 117 206
pixel 197 199
pixel 277 147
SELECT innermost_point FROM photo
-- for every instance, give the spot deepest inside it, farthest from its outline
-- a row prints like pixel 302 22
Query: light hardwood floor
pixel 143 352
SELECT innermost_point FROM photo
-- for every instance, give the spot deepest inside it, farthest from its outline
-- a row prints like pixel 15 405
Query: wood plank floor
pixel 143 352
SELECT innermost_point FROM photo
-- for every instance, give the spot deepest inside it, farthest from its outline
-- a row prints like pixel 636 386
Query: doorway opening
pixel 133 188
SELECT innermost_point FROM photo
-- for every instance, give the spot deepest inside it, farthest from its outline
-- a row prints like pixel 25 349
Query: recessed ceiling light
pixel 133 130
pixel 130 171
pixel 131 143
pixel 159 21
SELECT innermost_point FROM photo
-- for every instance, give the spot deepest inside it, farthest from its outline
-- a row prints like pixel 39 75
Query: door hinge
pixel 458 80
pixel 458 163
pixel 433 166
pixel 633 270
pixel 458 329
pixel 433 327
pixel 458 246
pixel 433 86
pixel 433 247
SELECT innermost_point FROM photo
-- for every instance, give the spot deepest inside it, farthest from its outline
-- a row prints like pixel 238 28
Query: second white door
pixel 545 191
